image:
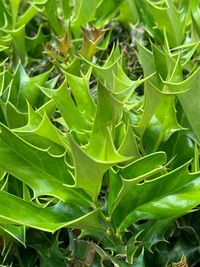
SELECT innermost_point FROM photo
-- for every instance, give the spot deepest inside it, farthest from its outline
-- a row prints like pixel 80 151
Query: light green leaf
pixel 18 211
pixel 41 133
pixel 44 173
pixel 74 118
pixel 108 114
pixel 80 89
pixel 83 13
pixel 162 125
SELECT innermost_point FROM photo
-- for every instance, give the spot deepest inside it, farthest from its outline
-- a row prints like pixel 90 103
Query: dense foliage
pixel 99 133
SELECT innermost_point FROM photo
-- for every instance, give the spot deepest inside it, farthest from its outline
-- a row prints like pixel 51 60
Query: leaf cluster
pixel 99 167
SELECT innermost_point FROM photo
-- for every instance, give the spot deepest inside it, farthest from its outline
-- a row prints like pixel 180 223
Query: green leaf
pixel 18 211
pixel 19 46
pixel 189 88
pixel 128 146
pixel 88 170
pixel 80 89
pixel 83 13
pixel 153 232
pixel 41 133
pixel 13 118
pixel 44 173
pixel 108 113
pixel 106 10
pixel 51 11
pixel 192 111
pixel 128 12
pixel 74 118
pixel 123 181
pixel 18 232
pixel 162 125
pixel 177 192
pixel 159 19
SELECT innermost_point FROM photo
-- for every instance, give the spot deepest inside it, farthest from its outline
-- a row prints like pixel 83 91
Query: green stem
pixel 110 232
